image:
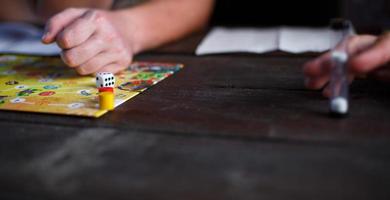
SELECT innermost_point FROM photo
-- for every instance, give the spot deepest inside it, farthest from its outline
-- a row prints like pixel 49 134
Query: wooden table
pixel 225 127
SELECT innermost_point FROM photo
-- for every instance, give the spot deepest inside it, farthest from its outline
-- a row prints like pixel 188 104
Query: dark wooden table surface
pixel 225 127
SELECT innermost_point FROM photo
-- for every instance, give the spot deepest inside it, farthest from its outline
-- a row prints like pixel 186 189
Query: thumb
pixel 58 22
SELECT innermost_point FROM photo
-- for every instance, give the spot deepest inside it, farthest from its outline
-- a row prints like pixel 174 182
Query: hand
pixel 89 40
pixel 368 55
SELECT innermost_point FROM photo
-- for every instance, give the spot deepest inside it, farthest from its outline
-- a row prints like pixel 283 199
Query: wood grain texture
pixel 240 96
pixel 225 127
pixel 104 163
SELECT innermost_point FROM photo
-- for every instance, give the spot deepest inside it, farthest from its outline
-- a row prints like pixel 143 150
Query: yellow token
pixel 106 101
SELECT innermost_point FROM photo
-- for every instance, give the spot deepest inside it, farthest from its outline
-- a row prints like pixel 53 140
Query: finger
pixel 317 67
pixel 357 44
pixel 113 68
pixel 316 83
pixel 55 24
pixel 82 53
pixel 317 72
pixel 76 33
pixel 122 63
pixel 96 63
pixel 327 91
pixel 372 58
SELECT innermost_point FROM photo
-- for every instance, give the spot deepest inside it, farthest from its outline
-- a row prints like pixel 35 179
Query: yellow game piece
pixel 106 100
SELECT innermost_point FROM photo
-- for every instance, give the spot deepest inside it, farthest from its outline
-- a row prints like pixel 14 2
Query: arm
pixel 98 40
pixel 47 8
pixel 161 21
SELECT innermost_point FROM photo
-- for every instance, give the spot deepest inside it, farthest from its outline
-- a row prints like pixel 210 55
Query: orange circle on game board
pixel 47 93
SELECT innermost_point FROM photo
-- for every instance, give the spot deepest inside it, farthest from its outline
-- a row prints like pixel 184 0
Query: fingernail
pixel 44 36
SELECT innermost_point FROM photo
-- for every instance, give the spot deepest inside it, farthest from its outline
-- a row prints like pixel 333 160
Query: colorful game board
pixel 46 85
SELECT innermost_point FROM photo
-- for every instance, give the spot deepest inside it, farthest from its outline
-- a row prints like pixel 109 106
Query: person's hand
pixel 89 40
pixel 369 55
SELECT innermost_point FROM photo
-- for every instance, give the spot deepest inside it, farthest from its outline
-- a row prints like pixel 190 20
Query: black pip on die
pixel 105 79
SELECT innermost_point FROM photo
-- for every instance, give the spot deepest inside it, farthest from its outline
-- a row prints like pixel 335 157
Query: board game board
pixel 46 85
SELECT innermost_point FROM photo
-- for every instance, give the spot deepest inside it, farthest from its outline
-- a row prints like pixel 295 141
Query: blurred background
pixel 368 16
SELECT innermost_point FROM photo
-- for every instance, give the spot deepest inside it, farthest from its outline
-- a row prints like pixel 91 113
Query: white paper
pixel 24 39
pixel 261 40
pixel 300 40
pixel 223 40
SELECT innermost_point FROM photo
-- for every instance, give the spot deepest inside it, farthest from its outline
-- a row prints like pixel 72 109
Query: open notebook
pixel 262 40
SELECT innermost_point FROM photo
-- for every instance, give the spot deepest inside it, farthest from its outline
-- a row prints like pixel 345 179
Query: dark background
pixel 367 15
pixel 274 12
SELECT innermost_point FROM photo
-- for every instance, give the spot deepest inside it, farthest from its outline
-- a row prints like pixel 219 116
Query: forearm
pixel 160 21
pixel 47 8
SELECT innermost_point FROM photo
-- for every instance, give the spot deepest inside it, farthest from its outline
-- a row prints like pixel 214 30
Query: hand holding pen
pixel 367 55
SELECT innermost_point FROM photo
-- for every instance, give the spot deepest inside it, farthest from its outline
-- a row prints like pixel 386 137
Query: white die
pixel 105 79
